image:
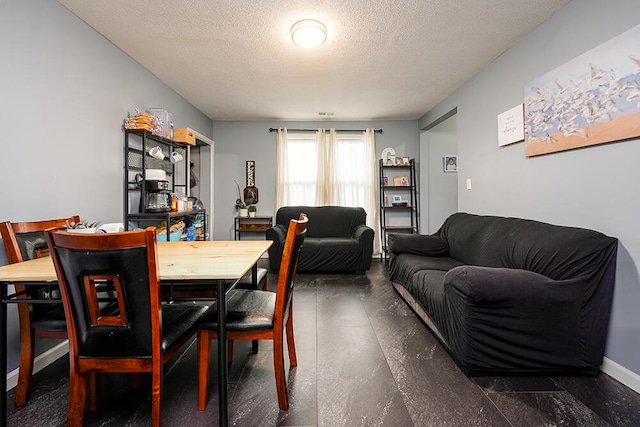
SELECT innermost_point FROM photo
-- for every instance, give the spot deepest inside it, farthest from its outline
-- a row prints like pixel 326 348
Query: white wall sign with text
pixel 511 126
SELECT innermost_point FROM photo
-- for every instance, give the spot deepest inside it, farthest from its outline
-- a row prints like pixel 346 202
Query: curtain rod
pixel 314 130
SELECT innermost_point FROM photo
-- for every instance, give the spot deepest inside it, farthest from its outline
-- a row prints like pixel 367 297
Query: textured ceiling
pixel 383 59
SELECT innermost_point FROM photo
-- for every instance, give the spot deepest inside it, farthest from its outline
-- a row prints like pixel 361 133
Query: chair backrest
pixel 125 261
pixel 25 240
pixel 290 254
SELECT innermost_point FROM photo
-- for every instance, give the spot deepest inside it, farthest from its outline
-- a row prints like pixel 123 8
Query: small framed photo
pixel 385 180
pixel 399 161
pixel 405 161
pixel 450 163
pixel 400 181
pixel 397 199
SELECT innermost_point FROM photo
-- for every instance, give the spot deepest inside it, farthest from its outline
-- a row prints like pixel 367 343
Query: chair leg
pixel 204 348
pixel 77 396
pixel 278 366
pixel 254 347
pixel 156 395
pixel 95 390
pixel 291 344
pixel 229 352
pixel 25 369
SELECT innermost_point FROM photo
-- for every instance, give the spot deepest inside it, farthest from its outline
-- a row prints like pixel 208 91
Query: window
pixel 328 169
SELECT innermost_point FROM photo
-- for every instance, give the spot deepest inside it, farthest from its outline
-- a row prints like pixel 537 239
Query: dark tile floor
pixel 364 359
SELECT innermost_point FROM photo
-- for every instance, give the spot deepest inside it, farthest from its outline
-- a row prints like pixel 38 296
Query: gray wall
pixel 237 142
pixel 590 187
pixel 65 92
pixel 439 190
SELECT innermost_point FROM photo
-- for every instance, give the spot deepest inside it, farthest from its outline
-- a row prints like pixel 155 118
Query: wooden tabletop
pixel 178 261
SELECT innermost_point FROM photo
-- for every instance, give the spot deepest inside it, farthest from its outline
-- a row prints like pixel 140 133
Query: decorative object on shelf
pixel 385 180
pixel 388 156
pixel 450 163
pixel 252 210
pixel 398 202
pixel 400 181
pixel 240 205
pixel 251 191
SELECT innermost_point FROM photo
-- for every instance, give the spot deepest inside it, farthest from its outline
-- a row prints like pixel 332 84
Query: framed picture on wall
pixel 450 163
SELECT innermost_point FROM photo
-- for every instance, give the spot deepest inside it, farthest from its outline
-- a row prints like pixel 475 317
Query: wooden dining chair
pixel 258 315
pixel 24 241
pixel 141 336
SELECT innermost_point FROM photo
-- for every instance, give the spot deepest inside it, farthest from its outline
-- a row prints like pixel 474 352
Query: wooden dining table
pixel 219 264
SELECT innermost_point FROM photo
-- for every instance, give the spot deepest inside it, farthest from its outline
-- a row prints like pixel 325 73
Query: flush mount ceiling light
pixel 308 33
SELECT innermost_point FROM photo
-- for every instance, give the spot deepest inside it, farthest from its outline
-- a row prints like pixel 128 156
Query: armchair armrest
pixel 363 233
pixel 278 235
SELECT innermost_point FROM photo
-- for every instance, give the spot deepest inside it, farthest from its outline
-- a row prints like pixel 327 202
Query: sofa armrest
pixel 417 244
pixel 501 315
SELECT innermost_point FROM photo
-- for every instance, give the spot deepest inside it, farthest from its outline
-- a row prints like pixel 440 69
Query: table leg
pixel 222 353
pixel 254 282
pixel 254 276
pixel 3 356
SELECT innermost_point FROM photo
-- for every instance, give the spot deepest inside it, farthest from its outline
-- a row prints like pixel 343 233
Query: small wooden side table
pixel 256 224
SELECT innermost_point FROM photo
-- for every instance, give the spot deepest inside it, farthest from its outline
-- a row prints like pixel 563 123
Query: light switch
pixel 468 183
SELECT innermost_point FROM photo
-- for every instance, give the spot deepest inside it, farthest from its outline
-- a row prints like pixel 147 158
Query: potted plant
pixel 252 210
pixel 241 205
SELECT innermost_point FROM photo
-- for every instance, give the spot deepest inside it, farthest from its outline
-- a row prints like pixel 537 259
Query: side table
pixel 256 224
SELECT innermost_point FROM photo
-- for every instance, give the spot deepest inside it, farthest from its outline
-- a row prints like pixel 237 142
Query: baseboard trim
pixel 40 362
pixel 621 374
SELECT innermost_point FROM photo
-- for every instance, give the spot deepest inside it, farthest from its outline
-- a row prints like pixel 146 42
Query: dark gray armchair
pixel 337 239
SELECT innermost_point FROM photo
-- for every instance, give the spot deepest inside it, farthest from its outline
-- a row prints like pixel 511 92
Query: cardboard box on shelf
pixel 185 135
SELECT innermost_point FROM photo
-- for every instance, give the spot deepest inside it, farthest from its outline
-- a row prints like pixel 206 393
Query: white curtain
pixel 329 170
pixel 372 196
pixel 282 175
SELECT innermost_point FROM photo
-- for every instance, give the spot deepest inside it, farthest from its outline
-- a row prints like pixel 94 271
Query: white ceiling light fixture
pixel 308 33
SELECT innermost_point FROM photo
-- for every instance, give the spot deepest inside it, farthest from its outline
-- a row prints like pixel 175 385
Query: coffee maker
pixel 155 197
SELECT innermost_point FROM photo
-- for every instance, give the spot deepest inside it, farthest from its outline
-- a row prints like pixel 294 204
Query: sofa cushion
pixel 403 267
